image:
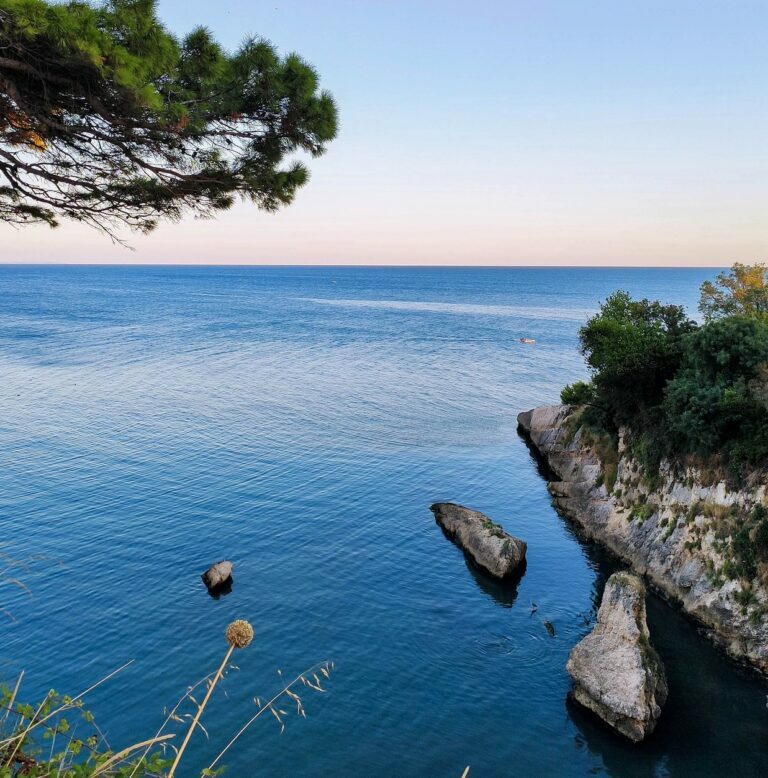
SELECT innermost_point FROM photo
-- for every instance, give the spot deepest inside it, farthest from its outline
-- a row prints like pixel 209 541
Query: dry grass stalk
pixel 239 634
pixel 323 667
pixel 13 696
pixel 171 717
pixel 120 755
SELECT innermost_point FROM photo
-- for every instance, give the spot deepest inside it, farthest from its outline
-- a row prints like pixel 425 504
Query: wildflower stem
pixel 200 709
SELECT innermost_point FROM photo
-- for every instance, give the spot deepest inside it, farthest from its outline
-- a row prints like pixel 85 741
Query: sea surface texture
pixel 300 422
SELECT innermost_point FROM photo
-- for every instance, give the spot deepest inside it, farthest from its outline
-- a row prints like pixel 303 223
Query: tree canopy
pixel 741 291
pixel 717 400
pixel 632 348
pixel 108 119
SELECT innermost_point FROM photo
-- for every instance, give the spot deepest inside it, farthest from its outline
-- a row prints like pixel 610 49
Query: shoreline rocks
pixel 616 672
pixel 484 541
pixel 665 525
pixel 218 575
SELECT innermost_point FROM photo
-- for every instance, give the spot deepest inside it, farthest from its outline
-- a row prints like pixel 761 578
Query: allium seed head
pixel 239 634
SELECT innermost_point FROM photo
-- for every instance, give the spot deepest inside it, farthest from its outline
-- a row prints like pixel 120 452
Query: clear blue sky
pixel 498 133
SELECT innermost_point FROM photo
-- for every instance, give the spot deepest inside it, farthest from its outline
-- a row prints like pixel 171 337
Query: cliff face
pixel 672 533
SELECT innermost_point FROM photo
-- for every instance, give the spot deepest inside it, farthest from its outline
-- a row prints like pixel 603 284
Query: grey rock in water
pixel 218 574
pixel 485 542
pixel 616 672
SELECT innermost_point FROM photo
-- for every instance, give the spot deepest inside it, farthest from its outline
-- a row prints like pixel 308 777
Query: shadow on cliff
pixel 600 560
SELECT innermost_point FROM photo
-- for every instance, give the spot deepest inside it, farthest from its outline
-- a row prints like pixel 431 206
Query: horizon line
pixel 382 265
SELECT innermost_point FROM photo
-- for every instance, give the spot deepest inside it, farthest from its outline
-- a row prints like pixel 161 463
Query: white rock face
pixel 484 541
pixel 674 545
pixel 615 670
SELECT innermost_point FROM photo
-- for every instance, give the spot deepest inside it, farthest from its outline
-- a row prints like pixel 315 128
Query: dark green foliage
pixel 642 512
pixel 750 545
pixel 632 348
pixel 577 393
pixel 743 549
pixel 106 118
pixel 717 402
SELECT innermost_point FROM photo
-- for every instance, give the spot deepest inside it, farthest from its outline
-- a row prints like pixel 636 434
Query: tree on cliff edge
pixel 107 119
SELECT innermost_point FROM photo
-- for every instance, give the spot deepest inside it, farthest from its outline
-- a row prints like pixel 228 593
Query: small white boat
pixel 527 340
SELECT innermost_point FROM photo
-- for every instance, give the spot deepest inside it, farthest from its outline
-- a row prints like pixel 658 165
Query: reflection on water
pixel 157 418
pixel 503 592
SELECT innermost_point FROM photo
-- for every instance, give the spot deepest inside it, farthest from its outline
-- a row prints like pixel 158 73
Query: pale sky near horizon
pixel 496 133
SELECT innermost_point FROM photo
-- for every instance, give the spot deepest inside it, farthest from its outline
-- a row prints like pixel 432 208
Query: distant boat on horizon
pixel 527 340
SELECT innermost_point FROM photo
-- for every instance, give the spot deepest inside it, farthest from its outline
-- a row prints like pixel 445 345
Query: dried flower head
pixel 239 634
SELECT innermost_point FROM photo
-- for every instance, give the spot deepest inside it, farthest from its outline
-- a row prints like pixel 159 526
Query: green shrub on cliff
pixel 577 393
pixel 717 401
pixel 682 390
pixel 633 347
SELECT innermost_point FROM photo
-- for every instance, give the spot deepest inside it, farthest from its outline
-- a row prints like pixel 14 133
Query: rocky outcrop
pixel 616 672
pixel 669 527
pixel 482 540
pixel 218 575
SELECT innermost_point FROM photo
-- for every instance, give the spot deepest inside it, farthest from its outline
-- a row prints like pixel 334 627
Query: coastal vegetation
pixel 676 404
pixel 682 392
pixel 108 119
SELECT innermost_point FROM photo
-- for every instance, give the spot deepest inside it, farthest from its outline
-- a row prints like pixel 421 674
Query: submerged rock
pixel 485 542
pixel 218 575
pixel 616 672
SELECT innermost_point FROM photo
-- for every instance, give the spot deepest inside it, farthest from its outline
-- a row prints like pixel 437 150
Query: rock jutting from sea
pixel 218 575
pixel 670 527
pixel 616 672
pixel 484 541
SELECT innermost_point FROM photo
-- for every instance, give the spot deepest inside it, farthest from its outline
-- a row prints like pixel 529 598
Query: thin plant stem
pixel 167 719
pixel 23 734
pixel 200 709
pixel 120 755
pixel 13 696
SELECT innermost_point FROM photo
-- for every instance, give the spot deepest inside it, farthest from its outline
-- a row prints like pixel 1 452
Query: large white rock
pixel 616 672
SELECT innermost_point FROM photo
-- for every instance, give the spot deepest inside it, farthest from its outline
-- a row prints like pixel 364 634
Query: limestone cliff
pixel 669 528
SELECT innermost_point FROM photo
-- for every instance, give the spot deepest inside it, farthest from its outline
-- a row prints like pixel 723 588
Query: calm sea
pixel 300 421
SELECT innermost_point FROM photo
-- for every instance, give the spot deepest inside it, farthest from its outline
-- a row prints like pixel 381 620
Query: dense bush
pixel 716 403
pixel 632 347
pixel 578 393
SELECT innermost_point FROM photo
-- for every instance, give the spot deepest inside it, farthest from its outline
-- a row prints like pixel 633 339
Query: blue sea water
pixel 300 421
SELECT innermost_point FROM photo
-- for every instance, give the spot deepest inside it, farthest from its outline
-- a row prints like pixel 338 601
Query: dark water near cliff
pixel 300 422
